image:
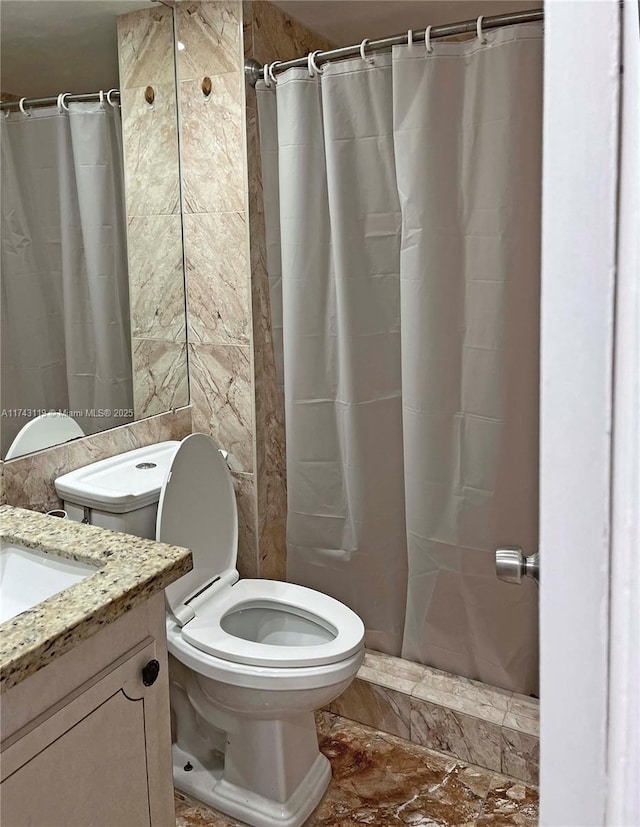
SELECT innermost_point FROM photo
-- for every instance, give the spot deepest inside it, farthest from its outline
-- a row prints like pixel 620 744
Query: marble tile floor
pixel 383 781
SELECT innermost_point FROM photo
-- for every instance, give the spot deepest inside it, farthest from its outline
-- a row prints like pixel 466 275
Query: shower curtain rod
pixel 254 71
pixel 34 103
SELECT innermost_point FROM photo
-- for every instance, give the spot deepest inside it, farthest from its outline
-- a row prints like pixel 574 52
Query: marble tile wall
pixel 154 228
pixel 472 721
pixel 216 245
pixel 29 480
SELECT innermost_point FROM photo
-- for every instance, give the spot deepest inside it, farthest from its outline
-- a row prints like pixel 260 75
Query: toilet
pixel 250 660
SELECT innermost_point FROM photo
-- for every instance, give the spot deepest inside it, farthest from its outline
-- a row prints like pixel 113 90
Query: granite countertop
pixel 128 571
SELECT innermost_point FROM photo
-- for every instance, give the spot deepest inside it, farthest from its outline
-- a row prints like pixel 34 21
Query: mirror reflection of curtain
pixel 408 234
pixel 65 304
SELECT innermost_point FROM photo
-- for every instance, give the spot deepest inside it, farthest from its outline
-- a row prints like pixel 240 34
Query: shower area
pixel 402 202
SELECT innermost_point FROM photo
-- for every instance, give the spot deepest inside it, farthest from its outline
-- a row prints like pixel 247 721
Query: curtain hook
pixel 265 75
pixel 362 52
pixel 22 109
pixel 108 97
pixel 101 99
pixel 427 39
pixel 479 31
pixel 311 61
pixel 62 106
pixel 272 66
pixel 410 37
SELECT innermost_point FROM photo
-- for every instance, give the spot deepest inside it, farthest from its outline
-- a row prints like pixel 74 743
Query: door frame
pixel 582 88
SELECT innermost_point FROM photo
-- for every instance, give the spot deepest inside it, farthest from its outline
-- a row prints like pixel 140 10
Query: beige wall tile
pixel 152 180
pixel 210 33
pixel 463 695
pixel 221 397
pixel 145 47
pixel 247 27
pixel 244 486
pixel 523 714
pixel 394 673
pixel 278 37
pixel 29 480
pixel 269 401
pixel 156 280
pixel 159 376
pixel 520 755
pixel 212 146
pixel 152 193
pixel 446 730
pixel 376 706
pixel 217 278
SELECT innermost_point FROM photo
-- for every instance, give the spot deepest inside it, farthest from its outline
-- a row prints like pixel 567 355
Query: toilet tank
pixel 120 493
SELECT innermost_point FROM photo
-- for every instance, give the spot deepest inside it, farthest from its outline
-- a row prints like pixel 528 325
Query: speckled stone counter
pixel 128 571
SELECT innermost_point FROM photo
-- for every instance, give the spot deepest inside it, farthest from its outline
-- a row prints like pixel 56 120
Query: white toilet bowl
pixel 251 659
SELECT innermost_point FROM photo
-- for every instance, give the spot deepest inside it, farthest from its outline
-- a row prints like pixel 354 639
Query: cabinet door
pixel 85 765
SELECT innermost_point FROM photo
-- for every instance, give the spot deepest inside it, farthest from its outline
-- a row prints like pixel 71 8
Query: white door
pixel 589 418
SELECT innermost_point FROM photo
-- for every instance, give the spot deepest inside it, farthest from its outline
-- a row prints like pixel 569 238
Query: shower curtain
pixel 65 306
pixel 402 203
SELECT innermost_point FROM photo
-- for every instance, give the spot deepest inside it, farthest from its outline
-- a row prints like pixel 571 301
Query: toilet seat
pixel 248 676
pixel 331 631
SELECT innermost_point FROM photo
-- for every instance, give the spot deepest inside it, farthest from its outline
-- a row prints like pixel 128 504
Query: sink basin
pixel 28 576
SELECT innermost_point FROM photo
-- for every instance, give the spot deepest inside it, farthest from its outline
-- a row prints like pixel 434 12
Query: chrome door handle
pixel 512 565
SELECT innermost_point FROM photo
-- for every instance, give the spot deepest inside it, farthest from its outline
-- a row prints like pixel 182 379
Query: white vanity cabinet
pixel 84 740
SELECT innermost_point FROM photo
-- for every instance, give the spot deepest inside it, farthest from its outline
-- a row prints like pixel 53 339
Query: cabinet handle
pixel 150 672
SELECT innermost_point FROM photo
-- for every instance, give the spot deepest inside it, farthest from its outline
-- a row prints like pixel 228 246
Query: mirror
pixel 93 326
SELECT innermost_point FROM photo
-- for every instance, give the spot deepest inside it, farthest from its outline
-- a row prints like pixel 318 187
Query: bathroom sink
pixel 28 576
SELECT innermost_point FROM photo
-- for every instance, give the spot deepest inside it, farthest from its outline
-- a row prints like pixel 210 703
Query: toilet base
pixel 207 784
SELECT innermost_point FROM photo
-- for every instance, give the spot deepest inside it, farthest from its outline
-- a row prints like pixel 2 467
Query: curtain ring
pixel 311 61
pixel 479 31
pixel 265 75
pixel 22 109
pixel 427 39
pixel 410 37
pixel 362 45
pixel 101 99
pixel 62 106
pixel 272 66
pixel 108 97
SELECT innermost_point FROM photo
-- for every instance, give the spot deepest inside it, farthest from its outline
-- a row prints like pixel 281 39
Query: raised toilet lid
pixel 197 509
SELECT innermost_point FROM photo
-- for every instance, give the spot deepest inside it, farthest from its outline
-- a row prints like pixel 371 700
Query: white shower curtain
pixel 409 211
pixel 65 306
